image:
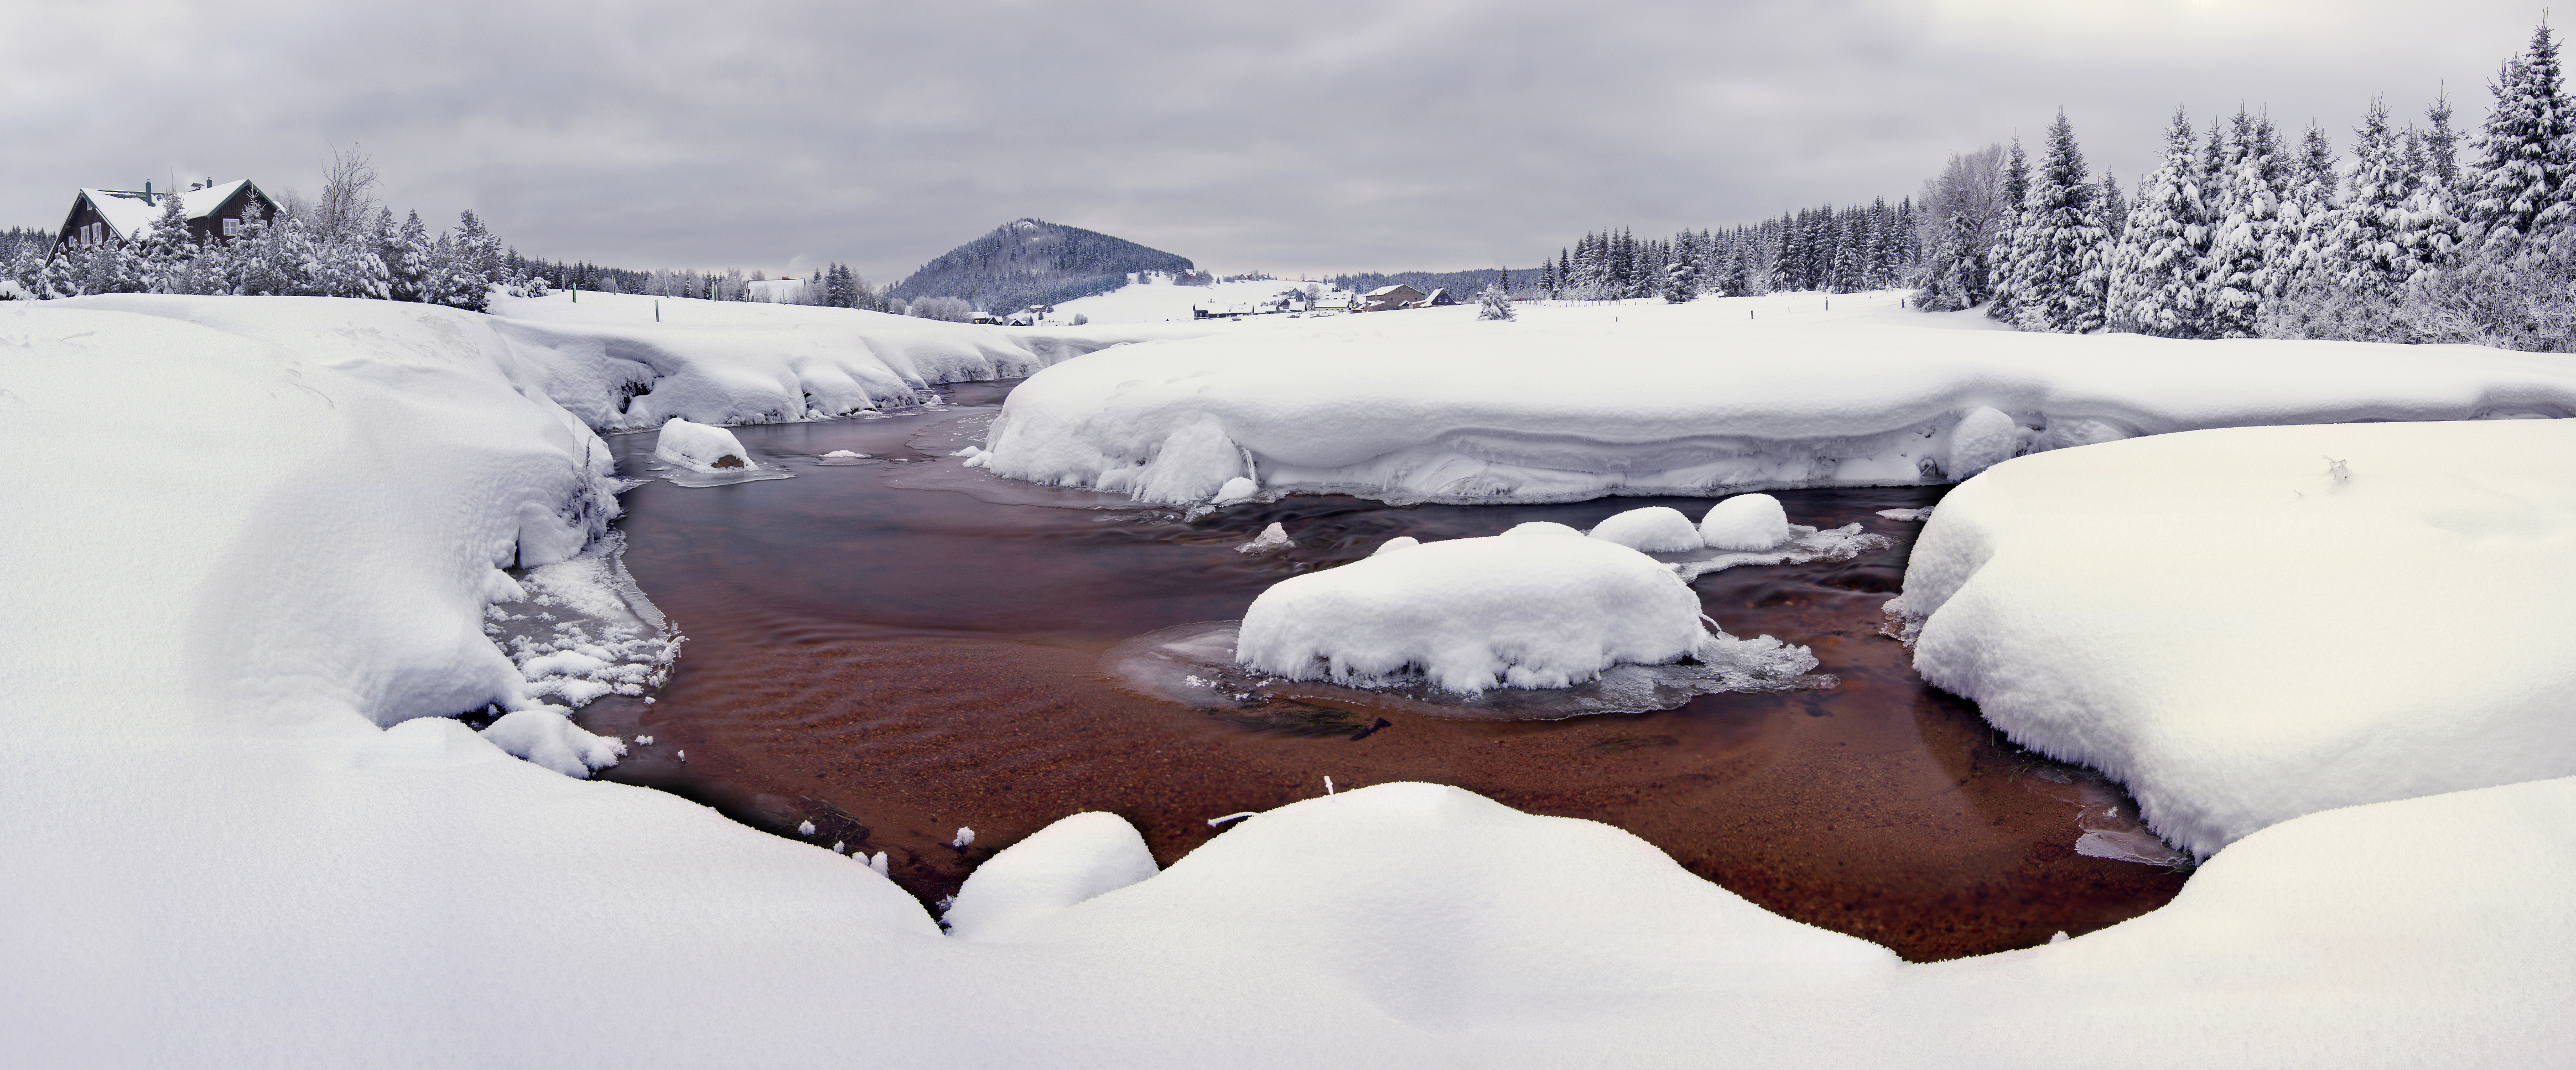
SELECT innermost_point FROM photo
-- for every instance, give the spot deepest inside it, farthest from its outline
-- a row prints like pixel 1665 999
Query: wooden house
pixel 100 216
pixel 1387 297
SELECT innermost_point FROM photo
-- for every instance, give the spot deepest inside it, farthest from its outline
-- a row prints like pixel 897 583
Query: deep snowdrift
pixel 219 859
pixel 2251 624
pixel 1704 398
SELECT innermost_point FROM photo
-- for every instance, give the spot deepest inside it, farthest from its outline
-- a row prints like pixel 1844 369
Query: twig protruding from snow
pixel 1219 822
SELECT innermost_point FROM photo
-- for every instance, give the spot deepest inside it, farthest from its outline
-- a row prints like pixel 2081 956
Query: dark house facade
pixel 100 216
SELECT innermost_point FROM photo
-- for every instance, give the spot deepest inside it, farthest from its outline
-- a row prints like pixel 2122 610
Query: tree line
pixel 1838 250
pixel 2239 234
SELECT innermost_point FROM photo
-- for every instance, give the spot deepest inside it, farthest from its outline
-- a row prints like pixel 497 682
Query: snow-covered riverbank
pixel 1711 397
pixel 246 534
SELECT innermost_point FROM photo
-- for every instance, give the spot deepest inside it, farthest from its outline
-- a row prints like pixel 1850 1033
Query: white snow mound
pixel 1745 522
pixel 1068 862
pixel 1539 606
pixel 699 447
pixel 544 736
pixel 1654 529
pixel 2251 624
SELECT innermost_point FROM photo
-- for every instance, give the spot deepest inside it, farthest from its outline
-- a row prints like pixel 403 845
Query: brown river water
pixel 896 647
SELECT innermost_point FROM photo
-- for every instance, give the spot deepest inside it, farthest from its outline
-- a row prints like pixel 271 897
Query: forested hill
pixel 1460 284
pixel 1032 262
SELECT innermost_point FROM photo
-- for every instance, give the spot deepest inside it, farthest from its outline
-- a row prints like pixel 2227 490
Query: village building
pixel 100 216
pixel 1387 297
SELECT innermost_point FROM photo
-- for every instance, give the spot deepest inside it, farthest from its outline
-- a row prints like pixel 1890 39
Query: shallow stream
pixel 895 646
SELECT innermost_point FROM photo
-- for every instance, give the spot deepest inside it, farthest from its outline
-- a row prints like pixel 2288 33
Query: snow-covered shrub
pixel 1494 304
pixel 951 309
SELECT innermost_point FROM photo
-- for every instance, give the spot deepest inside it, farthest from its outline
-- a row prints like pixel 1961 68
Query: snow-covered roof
pixel 1385 290
pixel 126 211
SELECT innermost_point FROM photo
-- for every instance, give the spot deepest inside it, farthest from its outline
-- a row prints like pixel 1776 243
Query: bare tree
pixel 348 195
pixel 1960 214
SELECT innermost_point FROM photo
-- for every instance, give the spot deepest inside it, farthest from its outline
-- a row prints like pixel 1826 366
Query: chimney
pixel 147 193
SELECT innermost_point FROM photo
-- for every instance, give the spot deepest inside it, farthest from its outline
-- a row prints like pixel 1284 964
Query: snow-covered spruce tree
pixel 2520 185
pixel 2155 277
pixel 1681 281
pixel 2308 303
pixel 164 250
pixel 2006 257
pixel 351 266
pixel 2510 285
pixel 2248 237
pixel 472 256
pixel 2370 254
pixel 1494 303
pixel 407 259
pixel 2113 210
pixel 2059 248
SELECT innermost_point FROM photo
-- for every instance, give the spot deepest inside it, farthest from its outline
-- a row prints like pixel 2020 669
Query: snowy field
pixel 1710 397
pixel 256 545
pixel 1160 301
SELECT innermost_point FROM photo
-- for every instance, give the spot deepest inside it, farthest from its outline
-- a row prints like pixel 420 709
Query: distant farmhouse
pixel 100 216
pixel 1385 298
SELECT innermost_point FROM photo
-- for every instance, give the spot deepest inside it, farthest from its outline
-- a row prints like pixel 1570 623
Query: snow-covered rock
pixel 1537 606
pixel 1745 522
pixel 699 447
pixel 1654 529
pixel 1236 491
pixel 2251 624
pixel 1685 399
pixel 545 737
pixel 1073 860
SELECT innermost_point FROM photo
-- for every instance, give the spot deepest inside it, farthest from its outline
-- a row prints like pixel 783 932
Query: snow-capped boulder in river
pixel 1655 529
pixel 1539 606
pixel 1745 522
pixel 699 447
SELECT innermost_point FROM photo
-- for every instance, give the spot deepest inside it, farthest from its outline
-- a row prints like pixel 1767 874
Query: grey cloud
pixel 1382 135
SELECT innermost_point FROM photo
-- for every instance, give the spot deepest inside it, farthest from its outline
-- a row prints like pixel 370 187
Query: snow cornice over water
pixel 249 534
pixel 1706 398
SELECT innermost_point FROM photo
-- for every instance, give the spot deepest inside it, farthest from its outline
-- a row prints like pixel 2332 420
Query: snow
pixel 1076 859
pixel 611 362
pixel 1274 537
pixel 127 215
pixel 1162 301
pixel 1745 522
pixel 699 447
pixel 1655 529
pixel 547 738
pixel 267 529
pixel 1706 398
pixel 2247 625
pixel 1538 606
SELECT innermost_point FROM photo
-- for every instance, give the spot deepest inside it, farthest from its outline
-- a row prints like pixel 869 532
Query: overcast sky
pixel 1385 135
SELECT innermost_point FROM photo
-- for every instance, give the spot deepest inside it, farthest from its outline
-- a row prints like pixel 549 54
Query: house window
pixel 232 227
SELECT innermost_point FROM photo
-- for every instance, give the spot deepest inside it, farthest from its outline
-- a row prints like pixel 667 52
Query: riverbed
pixel 893 647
